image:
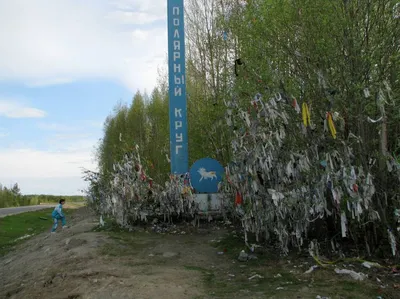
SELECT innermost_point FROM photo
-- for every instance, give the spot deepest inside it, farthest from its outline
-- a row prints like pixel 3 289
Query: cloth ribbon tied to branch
pixel 331 125
pixel 306 115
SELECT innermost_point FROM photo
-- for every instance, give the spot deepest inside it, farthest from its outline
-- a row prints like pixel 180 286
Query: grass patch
pixel 279 277
pixel 231 244
pixel 125 242
pixel 290 283
pixel 209 277
pixel 195 268
pixel 14 229
pixel 109 226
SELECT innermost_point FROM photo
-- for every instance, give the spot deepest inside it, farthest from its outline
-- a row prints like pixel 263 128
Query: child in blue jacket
pixel 58 215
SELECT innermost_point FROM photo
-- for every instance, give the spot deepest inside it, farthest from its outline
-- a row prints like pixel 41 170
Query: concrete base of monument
pixel 210 204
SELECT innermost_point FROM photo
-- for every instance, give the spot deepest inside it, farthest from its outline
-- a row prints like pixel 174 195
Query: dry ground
pixel 83 263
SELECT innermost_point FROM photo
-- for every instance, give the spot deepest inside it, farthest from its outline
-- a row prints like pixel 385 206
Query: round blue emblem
pixel 205 174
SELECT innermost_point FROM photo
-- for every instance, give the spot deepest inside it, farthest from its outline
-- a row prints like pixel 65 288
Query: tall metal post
pixel 177 88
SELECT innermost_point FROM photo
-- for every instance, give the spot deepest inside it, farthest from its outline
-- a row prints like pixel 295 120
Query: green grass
pixel 125 242
pixel 128 243
pixel 14 227
pixel 110 226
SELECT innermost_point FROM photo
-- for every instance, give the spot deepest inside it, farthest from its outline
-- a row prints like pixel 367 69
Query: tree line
pixel 12 197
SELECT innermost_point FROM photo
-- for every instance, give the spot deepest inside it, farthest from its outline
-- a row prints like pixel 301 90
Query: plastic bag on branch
pixel 284 165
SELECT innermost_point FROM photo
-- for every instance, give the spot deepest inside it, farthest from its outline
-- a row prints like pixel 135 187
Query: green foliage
pixel 350 45
pixel 340 57
pixel 15 228
pixel 146 124
pixel 143 124
pixel 336 56
pixel 11 197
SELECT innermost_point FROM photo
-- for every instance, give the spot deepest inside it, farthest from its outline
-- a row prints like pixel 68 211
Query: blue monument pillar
pixel 177 88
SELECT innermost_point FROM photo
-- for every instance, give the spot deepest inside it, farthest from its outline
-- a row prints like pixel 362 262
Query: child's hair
pixel 62 200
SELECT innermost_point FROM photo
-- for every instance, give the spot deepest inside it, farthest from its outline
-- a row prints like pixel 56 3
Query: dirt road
pixel 16 210
pixel 80 263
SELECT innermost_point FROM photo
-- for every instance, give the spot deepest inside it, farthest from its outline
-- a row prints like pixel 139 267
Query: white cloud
pixel 46 42
pixel 133 17
pixel 29 163
pixel 63 128
pixel 54 169
pixel 155 9
pixel 55 127
pixel 53 172
pixel 50 42
pixel 15 109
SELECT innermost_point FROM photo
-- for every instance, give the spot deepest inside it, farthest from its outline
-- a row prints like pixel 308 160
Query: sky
pixel 64 65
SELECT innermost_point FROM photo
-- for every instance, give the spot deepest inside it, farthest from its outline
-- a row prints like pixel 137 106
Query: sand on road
pixel 80 263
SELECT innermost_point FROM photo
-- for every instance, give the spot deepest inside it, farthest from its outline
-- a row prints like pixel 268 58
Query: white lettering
pixel 179 80
pixel 178 91
pixel 178 112
pixel 177 68
pixel 177 55
pixel 179 137
pixel 177 147
pixel 177 45
pixel 178 124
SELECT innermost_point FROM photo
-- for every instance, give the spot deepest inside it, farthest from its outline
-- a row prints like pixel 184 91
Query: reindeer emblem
pixel 206 174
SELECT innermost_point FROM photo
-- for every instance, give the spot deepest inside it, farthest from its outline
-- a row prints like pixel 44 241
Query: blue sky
pixel 64 64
